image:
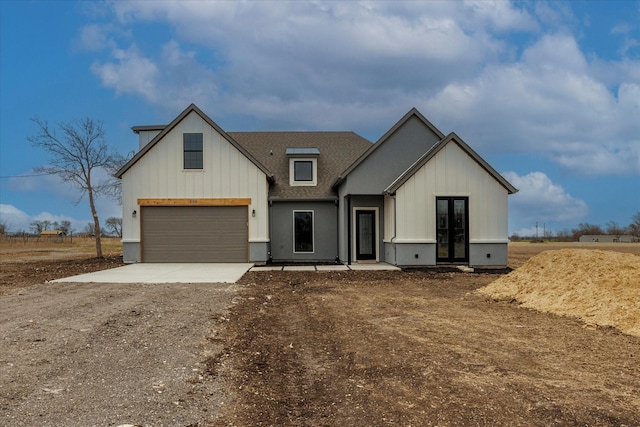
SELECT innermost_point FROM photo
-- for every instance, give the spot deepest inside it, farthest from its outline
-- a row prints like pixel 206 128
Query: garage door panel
pixel 194 234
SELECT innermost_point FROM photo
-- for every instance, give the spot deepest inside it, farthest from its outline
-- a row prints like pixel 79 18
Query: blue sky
pixel 547 92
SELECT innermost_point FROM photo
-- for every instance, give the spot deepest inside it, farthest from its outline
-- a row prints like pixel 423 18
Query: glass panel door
pixel 452 222
pixel 443 229
pixel 365 234
pixel 459 229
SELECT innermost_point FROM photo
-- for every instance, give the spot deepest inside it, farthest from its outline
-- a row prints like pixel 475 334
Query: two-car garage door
pixel 194 234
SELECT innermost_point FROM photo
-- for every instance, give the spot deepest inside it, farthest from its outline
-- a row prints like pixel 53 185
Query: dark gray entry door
pixel 365 234
pixel 194 234
pixel 452 216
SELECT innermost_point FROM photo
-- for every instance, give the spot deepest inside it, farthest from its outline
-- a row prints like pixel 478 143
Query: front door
pixel 365 235
pixel 452 216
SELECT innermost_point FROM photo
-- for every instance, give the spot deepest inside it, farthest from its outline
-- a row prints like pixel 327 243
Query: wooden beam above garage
pixel 195 202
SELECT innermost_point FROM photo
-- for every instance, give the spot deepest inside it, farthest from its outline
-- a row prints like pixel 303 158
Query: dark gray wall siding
pixel 391 159
pixel 347 217
pixel 325 231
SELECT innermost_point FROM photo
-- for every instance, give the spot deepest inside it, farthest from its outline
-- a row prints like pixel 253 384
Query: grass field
pixel 18 249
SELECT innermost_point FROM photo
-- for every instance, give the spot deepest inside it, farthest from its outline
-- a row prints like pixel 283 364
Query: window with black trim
pixel 303 231
pixel 303 170
pixel 192 145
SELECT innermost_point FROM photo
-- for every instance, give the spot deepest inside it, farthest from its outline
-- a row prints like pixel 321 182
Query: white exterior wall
pixel 226 173
pixel 451 172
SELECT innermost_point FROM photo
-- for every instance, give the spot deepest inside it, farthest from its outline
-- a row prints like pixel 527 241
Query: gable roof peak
pixel 413 112
pixel 192 108
pixel 451 137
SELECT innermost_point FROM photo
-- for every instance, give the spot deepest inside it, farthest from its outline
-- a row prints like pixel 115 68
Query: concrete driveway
pixel 165 273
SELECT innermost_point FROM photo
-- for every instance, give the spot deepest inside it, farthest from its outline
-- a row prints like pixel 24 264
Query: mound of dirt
pixel 600 287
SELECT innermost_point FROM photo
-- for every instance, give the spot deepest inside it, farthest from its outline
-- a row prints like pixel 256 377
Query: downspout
pixel 269 254
pixel 349 229
pixel 338 230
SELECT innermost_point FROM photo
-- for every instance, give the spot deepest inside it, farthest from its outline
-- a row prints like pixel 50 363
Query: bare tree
pixel 65 226
pixel 114 185
pixel 615 229
pixel 585 229
pixel 75 156
pixel 634 227
pixel 90 229
pixel 114 225
pixel 39 226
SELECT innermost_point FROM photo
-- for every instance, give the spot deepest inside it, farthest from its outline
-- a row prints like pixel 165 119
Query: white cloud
pixel 502 15
pixel 337 65
pixel 17 220
pixel 130 72
pixel 94 37
pixel 174 80
pixel 550 104
pixel 302 51
pixel 541 200
pixel 13 218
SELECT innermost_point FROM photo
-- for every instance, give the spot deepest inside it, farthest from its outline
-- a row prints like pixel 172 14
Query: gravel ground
pixel 108 355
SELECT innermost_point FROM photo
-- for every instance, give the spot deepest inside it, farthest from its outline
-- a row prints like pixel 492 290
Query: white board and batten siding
pixel 451 172
pixel 226 173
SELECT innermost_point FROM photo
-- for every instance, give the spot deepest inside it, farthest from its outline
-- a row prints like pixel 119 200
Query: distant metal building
pixel 52 233
pixel 607 238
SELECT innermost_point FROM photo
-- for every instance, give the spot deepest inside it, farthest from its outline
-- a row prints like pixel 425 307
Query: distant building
pixel 52 233
pixel 608 238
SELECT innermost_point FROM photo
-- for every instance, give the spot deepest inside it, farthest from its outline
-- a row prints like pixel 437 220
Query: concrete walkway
pixel 329 267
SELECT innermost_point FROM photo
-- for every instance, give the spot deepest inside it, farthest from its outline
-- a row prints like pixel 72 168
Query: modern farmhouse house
pixel 417 197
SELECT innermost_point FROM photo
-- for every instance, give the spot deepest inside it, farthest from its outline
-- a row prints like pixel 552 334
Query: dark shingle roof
pixel 338 150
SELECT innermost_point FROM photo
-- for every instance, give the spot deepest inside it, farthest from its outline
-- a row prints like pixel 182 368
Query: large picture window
pixel 192 144
pixel 303 231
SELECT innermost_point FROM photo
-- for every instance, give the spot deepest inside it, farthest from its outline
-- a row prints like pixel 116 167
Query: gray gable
pixel 388 158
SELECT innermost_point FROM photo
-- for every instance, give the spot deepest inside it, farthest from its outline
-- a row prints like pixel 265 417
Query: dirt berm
pixel 602 288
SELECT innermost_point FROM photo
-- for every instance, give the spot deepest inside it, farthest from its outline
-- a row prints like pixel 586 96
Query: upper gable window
pixel 303 170
pixel 192 149
pixel 303 166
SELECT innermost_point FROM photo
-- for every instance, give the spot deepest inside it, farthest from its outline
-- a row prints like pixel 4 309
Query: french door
pixel 452 228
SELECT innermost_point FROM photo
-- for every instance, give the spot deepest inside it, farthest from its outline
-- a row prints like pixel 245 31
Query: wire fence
pixel 25 238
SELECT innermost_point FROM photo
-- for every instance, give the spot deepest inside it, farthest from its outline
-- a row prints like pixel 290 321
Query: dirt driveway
pixel 109 354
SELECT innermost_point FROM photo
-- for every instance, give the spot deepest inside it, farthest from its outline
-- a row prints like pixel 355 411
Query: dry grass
pixel 601 287
pixel 42 249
